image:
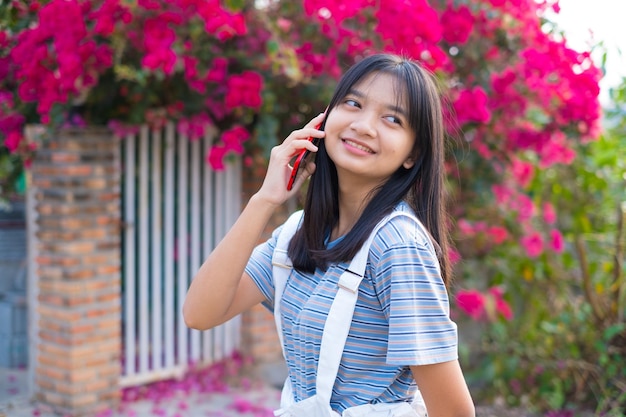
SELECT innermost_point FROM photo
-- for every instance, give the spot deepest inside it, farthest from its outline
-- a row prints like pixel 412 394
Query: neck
pixel 353 199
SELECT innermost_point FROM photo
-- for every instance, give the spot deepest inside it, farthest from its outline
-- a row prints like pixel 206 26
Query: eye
pixel 394 119
pixel 352 103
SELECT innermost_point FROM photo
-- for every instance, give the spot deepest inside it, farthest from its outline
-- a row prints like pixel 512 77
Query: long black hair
pixel 421 186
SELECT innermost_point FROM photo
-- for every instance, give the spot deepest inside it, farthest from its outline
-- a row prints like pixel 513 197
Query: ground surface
pixel 208 394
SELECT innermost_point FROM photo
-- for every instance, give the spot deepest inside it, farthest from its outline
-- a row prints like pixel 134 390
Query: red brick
pixel 65 157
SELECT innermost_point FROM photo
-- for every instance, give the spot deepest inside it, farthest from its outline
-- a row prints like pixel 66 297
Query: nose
pixel 365 124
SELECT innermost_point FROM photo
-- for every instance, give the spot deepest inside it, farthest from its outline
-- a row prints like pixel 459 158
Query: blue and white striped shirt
pixel 401 317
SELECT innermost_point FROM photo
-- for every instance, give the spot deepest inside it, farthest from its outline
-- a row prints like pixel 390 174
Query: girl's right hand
pixel 274 188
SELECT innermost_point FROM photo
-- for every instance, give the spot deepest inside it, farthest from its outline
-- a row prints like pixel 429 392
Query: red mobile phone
pixel 299 161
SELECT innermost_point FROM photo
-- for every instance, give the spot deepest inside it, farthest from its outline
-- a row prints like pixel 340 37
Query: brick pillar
pixel 76 176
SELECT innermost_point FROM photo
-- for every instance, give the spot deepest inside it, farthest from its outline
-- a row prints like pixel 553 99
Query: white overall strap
pixel 340 315
pixel 282 267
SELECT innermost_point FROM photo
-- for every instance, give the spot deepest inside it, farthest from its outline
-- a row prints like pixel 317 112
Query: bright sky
pixel 598 20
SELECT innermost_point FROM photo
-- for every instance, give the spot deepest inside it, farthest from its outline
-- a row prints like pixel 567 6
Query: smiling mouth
pixel 358 146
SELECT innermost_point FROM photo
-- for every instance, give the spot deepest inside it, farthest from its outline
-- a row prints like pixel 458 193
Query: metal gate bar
pixel 176 209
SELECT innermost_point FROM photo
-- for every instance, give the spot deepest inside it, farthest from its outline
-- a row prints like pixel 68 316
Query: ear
pixel 408 164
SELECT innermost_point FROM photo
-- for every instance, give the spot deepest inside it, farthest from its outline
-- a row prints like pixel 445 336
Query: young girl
pixel 382 151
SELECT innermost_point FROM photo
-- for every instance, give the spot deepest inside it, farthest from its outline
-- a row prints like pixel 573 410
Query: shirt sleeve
pixel 259 268
pixel 413 296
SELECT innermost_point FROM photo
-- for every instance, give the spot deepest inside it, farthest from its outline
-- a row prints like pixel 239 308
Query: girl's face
pixel 367 134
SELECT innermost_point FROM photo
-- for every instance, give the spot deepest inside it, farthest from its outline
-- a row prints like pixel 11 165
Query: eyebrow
pixel 393 108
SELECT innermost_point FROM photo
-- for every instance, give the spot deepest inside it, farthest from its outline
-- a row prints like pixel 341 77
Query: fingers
pixel 311 129
pixel 280 169
pixel 316 121
pixel 306 172
pixel 309 169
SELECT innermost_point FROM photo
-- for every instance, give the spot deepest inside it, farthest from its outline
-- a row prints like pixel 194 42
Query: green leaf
pixel 549 327
pixel 613 330
pixel 272 47
pixel 234 5
pixel 20 183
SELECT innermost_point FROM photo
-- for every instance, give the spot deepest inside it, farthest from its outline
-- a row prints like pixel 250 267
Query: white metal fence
pixel 175 209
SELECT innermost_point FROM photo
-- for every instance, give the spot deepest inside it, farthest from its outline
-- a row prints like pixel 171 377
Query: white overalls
pixel 334 336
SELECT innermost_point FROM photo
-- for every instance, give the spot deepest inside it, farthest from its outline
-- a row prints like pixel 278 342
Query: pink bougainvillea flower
pixel 108 15
pixel 472 302
pixel 434 58
pixel 13 140
pixel 526 136
pixel 503 194
pixel 513 200
pixel 457 24
pixel 504 309
pixel 524 206
pixel 523 172
pixel 337 11
pixel 412 28
pixel 149 4
pixel 501 306
pixel 233 138
pixel 454 255
pixel 3 38
pixel 424 17
pixel 506 97
pixel 549 214
pixel 55 60
pixel 533 244
pixel 557 242
pixel 216 107
pixel 158 40
pixel 314 64
pixel 496 292
pixel 215 157
pixel 217 72
pixel 163 59
pixel 483 149
pixel 6 101
pixel 471 106
pixel 480 227
pixel 498 234
pixel 244 90
pixel 220 22
pixel 190 65
pixel 465 227
pixel 284 24
pixel 556 151
pixel 11 122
